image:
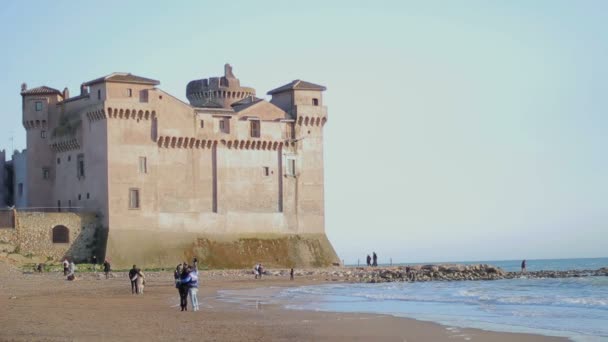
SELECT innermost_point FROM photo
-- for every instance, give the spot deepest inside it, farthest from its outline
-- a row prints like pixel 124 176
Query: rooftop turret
pixel 217 92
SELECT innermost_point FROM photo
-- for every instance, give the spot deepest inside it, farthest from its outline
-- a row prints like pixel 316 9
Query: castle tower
pixel 39 115
pixel 303 103
pixel 217 92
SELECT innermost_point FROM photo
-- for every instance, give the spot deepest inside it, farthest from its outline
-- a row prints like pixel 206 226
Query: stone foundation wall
pixel 151 249
pixel 33 235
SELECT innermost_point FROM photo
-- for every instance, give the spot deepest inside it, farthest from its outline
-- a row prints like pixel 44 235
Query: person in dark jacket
pixel 106 268
pixel 133 274
pixel 375 259
pixel 183 285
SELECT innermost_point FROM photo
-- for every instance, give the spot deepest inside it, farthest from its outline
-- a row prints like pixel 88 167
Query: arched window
pixel 61 234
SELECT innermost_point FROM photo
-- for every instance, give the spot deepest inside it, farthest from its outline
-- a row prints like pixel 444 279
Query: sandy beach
pixel 46 307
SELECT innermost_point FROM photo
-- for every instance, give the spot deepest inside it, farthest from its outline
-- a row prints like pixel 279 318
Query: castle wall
pixel 20 184
pixel 3 183
pixel 33 235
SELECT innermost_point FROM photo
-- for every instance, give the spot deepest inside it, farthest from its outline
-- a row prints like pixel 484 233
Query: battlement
pixel 217 92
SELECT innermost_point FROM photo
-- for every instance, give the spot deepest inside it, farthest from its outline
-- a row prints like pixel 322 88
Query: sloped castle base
pixel 152 249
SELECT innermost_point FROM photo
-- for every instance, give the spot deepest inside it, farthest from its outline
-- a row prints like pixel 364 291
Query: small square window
pixel 129 92
pixel 266 171
pixel 133 198
pixel 46 173
pixel 143 165
pixel 43 134
pixel 69 158
pixel 202 124
pixel 79 197
pixel 38 106
pixel 224 126
pixel 88 195
pixel 315 102
pixel 99 94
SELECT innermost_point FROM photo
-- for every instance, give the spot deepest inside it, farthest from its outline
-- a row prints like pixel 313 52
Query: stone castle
pixel 230 178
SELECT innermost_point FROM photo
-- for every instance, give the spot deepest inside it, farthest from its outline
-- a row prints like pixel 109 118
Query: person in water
pixel 523 266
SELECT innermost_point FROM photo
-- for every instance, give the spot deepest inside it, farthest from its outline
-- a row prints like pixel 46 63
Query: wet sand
pixel 46 307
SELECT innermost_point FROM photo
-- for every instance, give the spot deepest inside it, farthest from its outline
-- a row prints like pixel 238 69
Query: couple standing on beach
pixel 186 282
pixel 373 263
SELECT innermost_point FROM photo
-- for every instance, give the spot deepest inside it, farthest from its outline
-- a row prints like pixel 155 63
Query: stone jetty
pixel 449 273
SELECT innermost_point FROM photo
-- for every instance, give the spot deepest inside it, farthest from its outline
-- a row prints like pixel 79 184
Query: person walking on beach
pixel 66 267
pixel 261 270
pixel 94 262
pixel 195 263
pixel 183 287
pixel 369 261
pixel 106 268
pixel 71 271
pixel 375 257
pixel 291 274
pixel 133 274
pixel 256 271
pixel 193 288
pixel 523 266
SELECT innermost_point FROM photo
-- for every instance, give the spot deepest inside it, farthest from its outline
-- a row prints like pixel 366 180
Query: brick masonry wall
pixel 34 231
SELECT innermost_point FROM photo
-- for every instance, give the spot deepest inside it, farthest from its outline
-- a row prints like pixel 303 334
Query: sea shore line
pixel 46 307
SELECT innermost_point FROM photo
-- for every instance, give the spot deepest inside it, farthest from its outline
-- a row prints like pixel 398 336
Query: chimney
pixel 66 93
pixel 23 86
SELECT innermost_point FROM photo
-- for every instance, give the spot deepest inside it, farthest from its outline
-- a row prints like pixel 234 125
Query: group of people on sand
pixel 69 268
pixel 373 260
pixel 186 282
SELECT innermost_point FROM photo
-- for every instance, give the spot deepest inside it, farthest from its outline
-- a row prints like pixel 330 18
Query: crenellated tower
pixel 39 107
pixel 217 92
pixel 303 103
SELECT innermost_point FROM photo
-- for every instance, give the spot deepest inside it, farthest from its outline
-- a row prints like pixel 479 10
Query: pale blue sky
pixel 467 130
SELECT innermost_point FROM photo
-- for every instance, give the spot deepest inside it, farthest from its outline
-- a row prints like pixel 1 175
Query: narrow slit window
pixel 255 129
pixel 80 166
pixel 133 198
pixel 143 165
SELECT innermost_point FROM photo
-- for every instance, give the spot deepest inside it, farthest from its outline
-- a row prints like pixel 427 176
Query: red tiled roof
pixel 122 77
pixel 44 90
pixel 297 85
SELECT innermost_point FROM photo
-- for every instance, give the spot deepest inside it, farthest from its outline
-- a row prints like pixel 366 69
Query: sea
pixel 576 308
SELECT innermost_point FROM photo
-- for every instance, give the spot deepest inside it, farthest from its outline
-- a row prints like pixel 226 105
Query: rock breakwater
pixel 451 273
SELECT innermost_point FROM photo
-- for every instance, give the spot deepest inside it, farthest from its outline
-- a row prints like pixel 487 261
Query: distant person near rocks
pixel 523 266
pixel 107 268
pixel 133 274
pixel 375 257
pixel 66 267
pixel 94 262
pixel 369 261
pixel 291 274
